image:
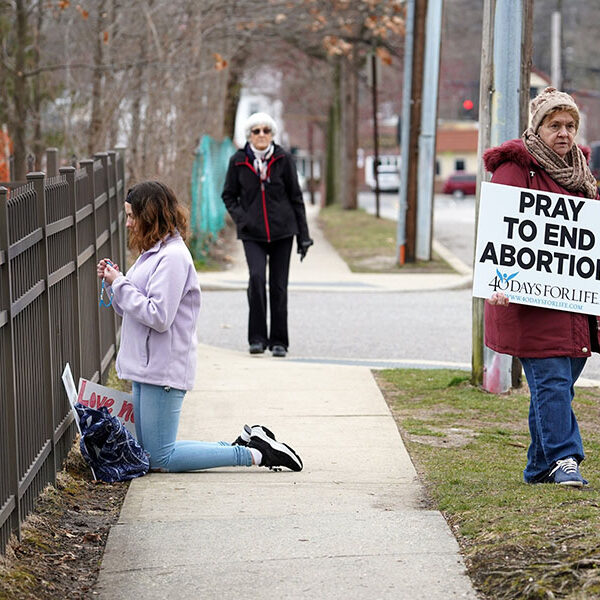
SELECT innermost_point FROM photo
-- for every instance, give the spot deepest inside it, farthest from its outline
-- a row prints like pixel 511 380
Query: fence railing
pixel 53 230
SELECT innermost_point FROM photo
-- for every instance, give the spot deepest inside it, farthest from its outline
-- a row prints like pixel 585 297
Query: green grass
pixel 207 264
pixel 519 540
pixel 368 244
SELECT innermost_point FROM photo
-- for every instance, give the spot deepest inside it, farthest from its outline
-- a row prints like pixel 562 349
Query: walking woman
pixel 552 345
pixel 264 199
pixel 159 300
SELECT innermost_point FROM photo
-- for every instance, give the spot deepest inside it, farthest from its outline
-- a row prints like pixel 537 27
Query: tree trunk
pixel 349 131
pixel 38 143
pixel 20 100
pixel 115 112
pixel 136 116
pixel 233 92
pixel 95 130
pixel 332 158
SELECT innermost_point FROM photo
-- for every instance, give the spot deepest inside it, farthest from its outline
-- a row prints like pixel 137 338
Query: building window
pixel 459 164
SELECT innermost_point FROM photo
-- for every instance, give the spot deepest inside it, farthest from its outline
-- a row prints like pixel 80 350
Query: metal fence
pixel 53 230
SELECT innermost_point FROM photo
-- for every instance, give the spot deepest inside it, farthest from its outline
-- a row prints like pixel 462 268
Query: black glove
pixel 303 246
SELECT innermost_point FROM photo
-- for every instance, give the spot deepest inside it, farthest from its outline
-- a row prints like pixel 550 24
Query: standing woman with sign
pixel 552 345
pixel 159 300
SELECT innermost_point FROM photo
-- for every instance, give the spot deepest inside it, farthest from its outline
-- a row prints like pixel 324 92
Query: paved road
pixel 384 329
pixel 378 329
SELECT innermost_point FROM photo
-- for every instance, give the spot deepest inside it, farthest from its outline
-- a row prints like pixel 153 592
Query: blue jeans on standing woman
pixel 156 411
pixel 552 423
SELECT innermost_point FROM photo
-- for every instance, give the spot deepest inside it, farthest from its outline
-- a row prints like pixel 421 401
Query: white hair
pixel 259 118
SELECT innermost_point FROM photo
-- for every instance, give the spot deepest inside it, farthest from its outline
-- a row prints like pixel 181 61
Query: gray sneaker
pixel 279 351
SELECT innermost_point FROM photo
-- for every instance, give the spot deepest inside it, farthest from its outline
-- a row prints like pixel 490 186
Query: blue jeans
pixel 156 412
pixel 552 423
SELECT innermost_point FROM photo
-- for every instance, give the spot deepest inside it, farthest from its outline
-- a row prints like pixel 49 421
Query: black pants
pixel 279 267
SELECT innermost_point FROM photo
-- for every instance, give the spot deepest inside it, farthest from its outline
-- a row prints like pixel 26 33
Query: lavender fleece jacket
pixel 159 300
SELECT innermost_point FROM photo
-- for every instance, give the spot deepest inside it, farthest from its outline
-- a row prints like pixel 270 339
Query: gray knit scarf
pixel 572 172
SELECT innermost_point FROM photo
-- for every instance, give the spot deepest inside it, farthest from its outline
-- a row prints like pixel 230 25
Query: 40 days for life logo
pixel 519 291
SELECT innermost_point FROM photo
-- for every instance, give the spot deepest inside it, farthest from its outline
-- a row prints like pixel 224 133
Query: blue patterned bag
pixel 109 449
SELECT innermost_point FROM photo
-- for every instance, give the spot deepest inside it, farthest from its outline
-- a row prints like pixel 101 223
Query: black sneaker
pixel 274 454
pixel 244 437
pixel 257 348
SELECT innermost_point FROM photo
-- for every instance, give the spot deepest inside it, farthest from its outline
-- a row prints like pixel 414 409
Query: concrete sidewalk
pixel 353 524
pixel 324 270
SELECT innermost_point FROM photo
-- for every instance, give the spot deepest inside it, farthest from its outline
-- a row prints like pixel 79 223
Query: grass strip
pixel 368 244
pixel 519 540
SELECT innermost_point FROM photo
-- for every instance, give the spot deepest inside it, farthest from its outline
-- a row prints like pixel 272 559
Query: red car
pixel 460 184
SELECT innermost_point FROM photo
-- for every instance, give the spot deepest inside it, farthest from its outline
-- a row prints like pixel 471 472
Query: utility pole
pixel 427 135
pixel 375 132
pixel 556 47
pixel 405 133
pixel 503 104
pixel 411 129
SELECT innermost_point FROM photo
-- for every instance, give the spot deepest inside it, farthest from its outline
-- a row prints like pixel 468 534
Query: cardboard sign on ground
pixel 118 403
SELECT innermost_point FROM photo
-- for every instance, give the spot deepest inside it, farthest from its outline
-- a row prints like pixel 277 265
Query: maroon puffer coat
pixel 529 331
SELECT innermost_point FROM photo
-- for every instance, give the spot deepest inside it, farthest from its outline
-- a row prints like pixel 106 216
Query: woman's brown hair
pixel 157 214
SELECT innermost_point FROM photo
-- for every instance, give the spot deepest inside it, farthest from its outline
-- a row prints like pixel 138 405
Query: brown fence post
pixel 12 505
pixel 69 174
pixel 113 204
pixel 38 181
pixel 88 165
pixel 121 191
pixel 103 236
pixel 51 162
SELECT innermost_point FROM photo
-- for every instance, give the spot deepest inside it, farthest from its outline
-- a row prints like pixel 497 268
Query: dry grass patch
pixel 518 540
pixel 368 244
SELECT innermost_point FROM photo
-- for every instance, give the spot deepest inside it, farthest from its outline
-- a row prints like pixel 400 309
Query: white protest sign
pixel 538 248
pixel 69 383
pixel 118 403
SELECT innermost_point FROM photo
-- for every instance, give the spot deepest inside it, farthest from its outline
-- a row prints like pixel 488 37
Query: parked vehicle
pixel 388 179
pixel 388 172
pixel 460 185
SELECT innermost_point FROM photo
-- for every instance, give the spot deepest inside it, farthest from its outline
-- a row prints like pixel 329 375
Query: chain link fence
pixel 207 209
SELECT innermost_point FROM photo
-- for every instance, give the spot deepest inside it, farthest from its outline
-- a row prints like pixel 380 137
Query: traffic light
pixel 468 107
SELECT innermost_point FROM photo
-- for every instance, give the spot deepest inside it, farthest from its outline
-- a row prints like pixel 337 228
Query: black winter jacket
pixel 269 212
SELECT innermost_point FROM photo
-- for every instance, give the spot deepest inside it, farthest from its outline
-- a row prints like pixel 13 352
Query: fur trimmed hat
pixel 547 101
pixel 259 118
